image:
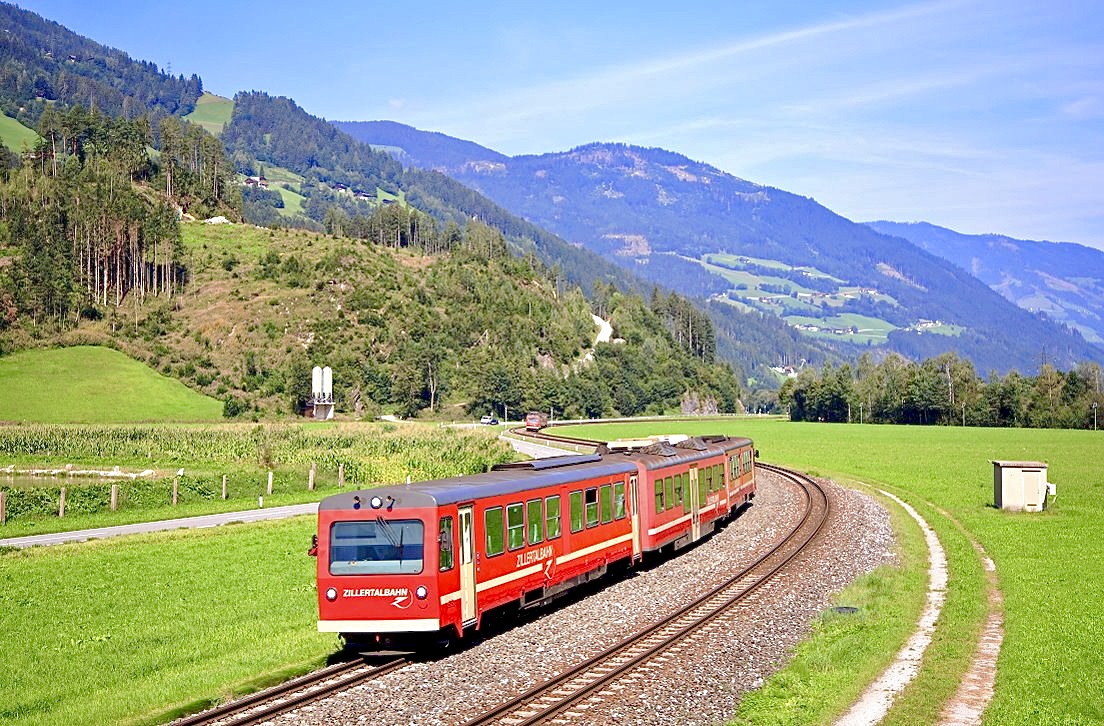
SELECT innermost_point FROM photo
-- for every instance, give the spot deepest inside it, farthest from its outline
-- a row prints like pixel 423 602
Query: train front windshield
pixel 377 547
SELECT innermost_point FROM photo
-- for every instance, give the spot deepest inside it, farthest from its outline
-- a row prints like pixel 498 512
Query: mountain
pixel 421 293
pixel 424 149
pixel 1063 280
pixel 700 231
pixel 42 62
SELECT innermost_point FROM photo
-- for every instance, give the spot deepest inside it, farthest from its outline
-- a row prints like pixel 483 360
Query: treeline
pixel 944 390
pixel 43 63
pixel 88 218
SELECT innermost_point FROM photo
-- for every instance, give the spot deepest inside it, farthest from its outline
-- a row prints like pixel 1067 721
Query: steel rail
pixel 264 705
pixel 617 661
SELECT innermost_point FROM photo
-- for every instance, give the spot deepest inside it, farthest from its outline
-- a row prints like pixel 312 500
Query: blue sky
pixel 979 115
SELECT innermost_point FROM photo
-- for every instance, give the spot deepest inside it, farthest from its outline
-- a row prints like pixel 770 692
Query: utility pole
pixel 1094 415
pixel 964 415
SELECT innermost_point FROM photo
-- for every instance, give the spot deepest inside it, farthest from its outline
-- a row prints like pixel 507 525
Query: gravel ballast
pixel 702 684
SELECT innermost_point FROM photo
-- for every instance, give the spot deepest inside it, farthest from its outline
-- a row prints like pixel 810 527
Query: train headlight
pixel 331 594
pixel 375 503
pixel 421 592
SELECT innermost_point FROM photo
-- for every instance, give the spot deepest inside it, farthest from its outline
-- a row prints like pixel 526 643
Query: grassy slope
pixel 1050 565
pixel 212 112
pixel 94 385
pixel 15 135
pixel 94 632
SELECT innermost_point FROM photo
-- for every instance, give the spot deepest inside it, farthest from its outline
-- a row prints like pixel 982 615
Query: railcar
pixel 535 421
pixel 403 567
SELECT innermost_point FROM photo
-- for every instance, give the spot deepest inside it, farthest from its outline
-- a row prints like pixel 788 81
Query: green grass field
pixel 869 329
pixel 90 384
pixel 139 629
pixel 135 629
pixel 15 135
pixel 212 112
pixel 92 631
pixel 293 201
pixel 1050 565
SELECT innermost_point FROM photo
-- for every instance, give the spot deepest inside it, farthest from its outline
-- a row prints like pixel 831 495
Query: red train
pixel 535 421
pixel 403 566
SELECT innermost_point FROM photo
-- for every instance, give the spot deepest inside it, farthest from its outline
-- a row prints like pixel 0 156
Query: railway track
pixel 264 705
pixel 586 683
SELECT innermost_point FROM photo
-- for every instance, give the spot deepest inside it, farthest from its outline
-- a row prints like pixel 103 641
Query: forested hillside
pixel 88 219
pixel 333 183
pixel 467 329
pixel 43 62
pixel 341 176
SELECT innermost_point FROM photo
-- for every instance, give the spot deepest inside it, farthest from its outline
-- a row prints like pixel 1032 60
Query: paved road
pixel 209 520
pixel 537 451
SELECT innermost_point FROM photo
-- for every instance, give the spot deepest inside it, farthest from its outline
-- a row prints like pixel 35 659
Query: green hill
pixel 212 112
pixel 89 384
pixel 15 135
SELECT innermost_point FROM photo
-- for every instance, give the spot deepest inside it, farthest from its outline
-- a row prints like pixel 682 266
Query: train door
pixel 467 564
pixel 635 504
pixel 695 505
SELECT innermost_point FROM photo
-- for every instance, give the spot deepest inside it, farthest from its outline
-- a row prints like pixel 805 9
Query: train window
pixel 605 503
pixel 515 526
pixel 659 495
pixel 718 475
pixel 552 516
pixel 492 525
pixel 669 491
pixel 703 489
pixel 534 517
pixel 709 477
pixel 678 489
pixel 592 506
pixel 576 511
pixel 380 547
pixel 444 539
pixel 619 500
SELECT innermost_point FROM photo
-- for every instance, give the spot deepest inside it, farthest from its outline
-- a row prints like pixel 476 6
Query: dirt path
pixel 876 700
pixel 975 692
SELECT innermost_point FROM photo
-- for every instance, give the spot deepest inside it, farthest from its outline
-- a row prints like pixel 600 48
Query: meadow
pixel 212 112
pixel 15 135
pixel 1050 565
pixel 100 385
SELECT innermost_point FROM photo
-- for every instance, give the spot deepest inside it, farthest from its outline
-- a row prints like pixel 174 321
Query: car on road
pixel 488 421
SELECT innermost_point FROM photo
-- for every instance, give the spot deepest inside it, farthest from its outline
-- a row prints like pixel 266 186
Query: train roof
pixel 506 479
pixel 664 454
pixel 520 477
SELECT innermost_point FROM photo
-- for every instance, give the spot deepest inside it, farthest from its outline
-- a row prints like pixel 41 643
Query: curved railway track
pixel 264 705
pixel 588 680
